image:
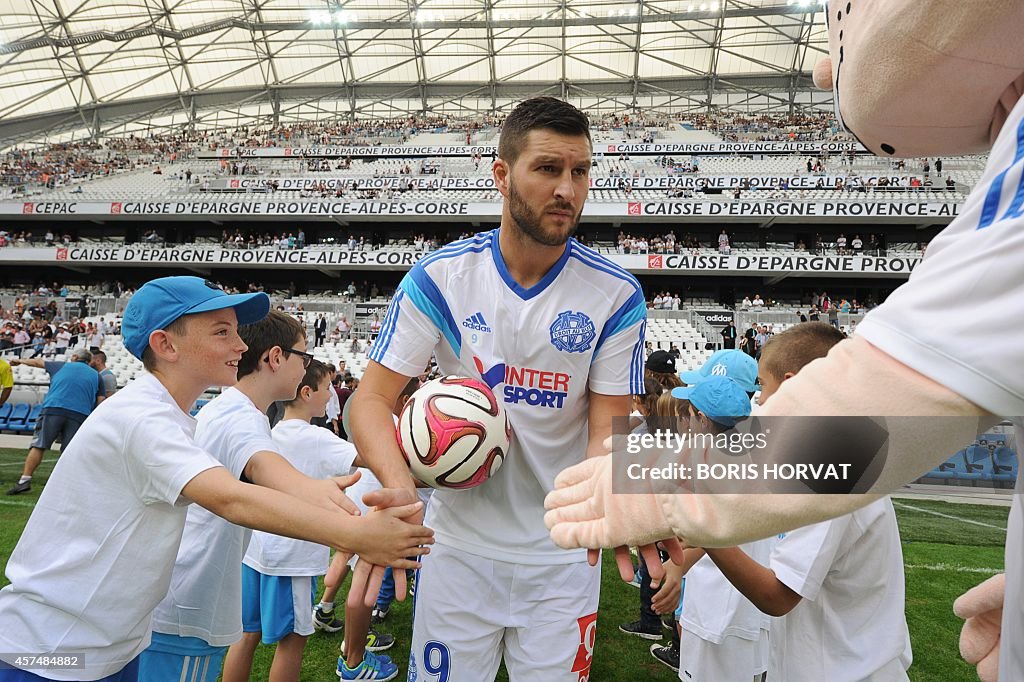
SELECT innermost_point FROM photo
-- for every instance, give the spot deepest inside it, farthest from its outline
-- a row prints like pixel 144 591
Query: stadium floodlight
pixel 339 17
pixel 689 8
pixel 714 6
pixel 320 18
pixel 703 7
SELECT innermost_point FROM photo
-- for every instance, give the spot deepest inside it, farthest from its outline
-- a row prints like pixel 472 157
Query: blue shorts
pixel 129 673
pixel 277 605
pixel 170 658
pixel 679 609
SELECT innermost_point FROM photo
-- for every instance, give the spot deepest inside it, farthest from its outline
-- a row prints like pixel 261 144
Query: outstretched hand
pixel 584 512
pixel 367 577
pixel 981 607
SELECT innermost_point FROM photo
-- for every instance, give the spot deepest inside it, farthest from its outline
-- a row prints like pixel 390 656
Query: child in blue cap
pixel 723 636
pixel 97 553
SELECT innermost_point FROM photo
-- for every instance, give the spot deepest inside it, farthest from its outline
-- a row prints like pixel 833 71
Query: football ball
pixel 454 433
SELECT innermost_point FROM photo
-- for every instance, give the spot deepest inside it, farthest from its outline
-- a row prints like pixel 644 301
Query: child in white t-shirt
pixel 97 553
pixel 361 639
pixel 202 612
pixel 836 586
pixel 723 637
pixel 279 573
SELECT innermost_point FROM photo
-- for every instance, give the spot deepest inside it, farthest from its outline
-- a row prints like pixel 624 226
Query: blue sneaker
pixel 373 667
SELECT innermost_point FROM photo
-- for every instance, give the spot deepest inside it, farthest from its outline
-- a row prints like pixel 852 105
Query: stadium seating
pixel 33 417
pixel 5 414
pixel 19 417
pixel 1004 465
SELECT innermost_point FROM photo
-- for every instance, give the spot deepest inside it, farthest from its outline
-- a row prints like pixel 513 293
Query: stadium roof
pixel 109 67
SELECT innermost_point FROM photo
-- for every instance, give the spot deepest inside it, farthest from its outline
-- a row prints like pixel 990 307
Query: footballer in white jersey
pixel 557 332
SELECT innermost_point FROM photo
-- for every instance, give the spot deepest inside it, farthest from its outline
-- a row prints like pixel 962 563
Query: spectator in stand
pixel 761 337
pixel 803 318
pixel 21 336
pixel 857 244
pixel 343 327
pixel 758 302
pixel 723 243
pixel 319 330
pixel 62 339
pixel 729 336
pixel 841 244
pixel 343 388
pixel 95 340
pixel 833 316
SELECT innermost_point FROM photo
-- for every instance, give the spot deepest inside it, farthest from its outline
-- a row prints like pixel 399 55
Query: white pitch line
pixel 947 516
pixel 14 503
pixel 956 569
pixel 21 464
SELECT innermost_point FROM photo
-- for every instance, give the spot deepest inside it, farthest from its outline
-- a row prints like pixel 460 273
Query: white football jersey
pixel 542 350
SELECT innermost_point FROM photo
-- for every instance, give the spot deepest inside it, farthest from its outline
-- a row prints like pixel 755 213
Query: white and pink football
pixel 454 433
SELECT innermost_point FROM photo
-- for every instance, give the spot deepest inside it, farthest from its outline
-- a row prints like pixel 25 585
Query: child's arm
pixel 382 537
pixel 756 582
pixel 271 470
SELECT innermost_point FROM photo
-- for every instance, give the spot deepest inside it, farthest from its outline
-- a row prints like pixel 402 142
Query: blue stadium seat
pixel 978 462
pixel 1004 464
pixel 5 413
pixel 19 415
pixel 33 417
pixel 948 469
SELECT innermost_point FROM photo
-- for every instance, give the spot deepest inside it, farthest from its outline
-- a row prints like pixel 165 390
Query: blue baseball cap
pixel 734 364
pixel 720 398
pixel 162 301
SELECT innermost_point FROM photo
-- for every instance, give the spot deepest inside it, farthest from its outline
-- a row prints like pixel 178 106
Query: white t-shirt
pixel 543 349
pixel 850 625
pixel 713 609
pixel 63 338
pixel 318 453
pixel 205 596
pixel 333 405
pixel 97 553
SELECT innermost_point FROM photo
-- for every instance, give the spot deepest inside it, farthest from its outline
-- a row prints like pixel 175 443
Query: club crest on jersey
pixel 572 332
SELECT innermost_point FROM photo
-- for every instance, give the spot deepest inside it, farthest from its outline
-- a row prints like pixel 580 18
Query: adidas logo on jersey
pixel 477 323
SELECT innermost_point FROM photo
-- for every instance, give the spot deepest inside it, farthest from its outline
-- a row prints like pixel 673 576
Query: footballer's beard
pixel 529 222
